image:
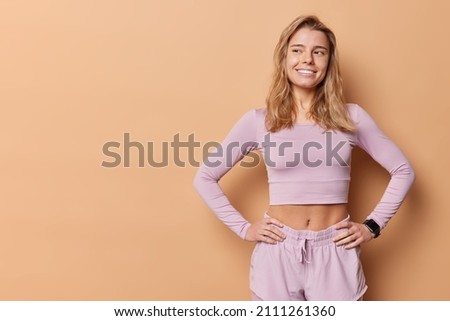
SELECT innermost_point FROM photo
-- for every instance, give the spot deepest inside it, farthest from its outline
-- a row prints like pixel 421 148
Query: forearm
pixel 214 197
pixel 400 183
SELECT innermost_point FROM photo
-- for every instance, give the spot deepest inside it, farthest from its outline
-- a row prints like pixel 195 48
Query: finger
pixel 272 233
pixel 340 225
pixel 341 236
pixel 267 239
pixel 274 221
pixel 275 232
pixel 346 240
pixel 353 244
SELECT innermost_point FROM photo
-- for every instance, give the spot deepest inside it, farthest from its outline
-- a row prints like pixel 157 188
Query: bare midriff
pixel 309 217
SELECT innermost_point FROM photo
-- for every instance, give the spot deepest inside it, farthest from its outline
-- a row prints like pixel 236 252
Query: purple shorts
pixel 307 265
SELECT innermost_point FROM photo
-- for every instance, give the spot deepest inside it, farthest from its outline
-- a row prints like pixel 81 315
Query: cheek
pixel 291 61
pixel 323 65
pixel 323 74
pixel 289 67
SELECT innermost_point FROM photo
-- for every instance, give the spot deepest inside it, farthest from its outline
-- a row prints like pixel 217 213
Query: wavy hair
pixel 328 108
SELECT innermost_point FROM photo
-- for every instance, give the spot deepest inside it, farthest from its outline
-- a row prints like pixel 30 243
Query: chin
pixel 306 86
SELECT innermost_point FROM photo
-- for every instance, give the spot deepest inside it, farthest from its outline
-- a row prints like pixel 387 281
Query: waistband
pixel 314 238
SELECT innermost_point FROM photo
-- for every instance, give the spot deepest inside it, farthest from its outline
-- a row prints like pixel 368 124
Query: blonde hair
pixel 328 108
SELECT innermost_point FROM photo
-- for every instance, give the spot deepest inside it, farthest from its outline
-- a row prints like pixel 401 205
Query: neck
pixel 303 99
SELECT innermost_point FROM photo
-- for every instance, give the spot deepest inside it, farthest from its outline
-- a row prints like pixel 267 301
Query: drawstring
pixel 303 251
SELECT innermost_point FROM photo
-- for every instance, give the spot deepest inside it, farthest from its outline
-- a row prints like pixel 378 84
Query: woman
pixel 307 245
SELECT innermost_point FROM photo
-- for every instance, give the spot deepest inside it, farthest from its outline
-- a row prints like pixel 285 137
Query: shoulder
pixel 360 116
pixel 355 111
pixel 365 124
pixel 254 115
pixel 255 112
pixel 250 121
pixel 260 112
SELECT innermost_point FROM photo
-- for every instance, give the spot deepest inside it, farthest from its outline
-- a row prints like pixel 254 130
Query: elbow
pixel 408 173
pixel 202 179
pixel 196 182
pixel 412 175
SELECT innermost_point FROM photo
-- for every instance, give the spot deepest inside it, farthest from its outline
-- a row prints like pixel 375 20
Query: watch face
pixel 373 226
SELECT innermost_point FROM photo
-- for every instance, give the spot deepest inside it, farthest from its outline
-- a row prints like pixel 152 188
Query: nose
pixel 307 58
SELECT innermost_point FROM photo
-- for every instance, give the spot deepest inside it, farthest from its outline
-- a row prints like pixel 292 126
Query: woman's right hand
pixel 266 230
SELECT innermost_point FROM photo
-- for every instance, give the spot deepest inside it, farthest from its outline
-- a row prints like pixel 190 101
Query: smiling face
pixel 307 60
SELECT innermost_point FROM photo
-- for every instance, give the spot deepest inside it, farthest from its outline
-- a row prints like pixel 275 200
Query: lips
pixel 306 71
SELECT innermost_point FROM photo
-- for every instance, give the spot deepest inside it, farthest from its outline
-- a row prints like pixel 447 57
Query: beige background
pixel 77 74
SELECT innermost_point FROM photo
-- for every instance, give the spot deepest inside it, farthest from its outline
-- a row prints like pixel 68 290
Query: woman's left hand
pixel 355 234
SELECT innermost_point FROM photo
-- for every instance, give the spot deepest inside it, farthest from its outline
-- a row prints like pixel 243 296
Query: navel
pixel 307 222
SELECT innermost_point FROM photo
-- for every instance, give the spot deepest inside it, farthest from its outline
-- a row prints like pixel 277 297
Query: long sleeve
pixel 371 139
pixel 240 141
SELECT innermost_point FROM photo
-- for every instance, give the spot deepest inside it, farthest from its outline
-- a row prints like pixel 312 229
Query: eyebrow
pixel 315 47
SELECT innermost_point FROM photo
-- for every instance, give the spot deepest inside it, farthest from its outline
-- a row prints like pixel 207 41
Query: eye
pixel 319 52
pixel 296 50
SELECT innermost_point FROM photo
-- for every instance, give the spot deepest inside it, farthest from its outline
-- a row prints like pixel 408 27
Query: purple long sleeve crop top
pixel 305 165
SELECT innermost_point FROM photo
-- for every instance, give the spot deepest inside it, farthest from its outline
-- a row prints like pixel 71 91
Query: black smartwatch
pixel 373 227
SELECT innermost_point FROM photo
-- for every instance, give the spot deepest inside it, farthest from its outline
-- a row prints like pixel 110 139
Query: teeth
pixel 304 71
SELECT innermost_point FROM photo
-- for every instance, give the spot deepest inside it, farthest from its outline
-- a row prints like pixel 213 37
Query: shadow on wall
pixel 368 183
